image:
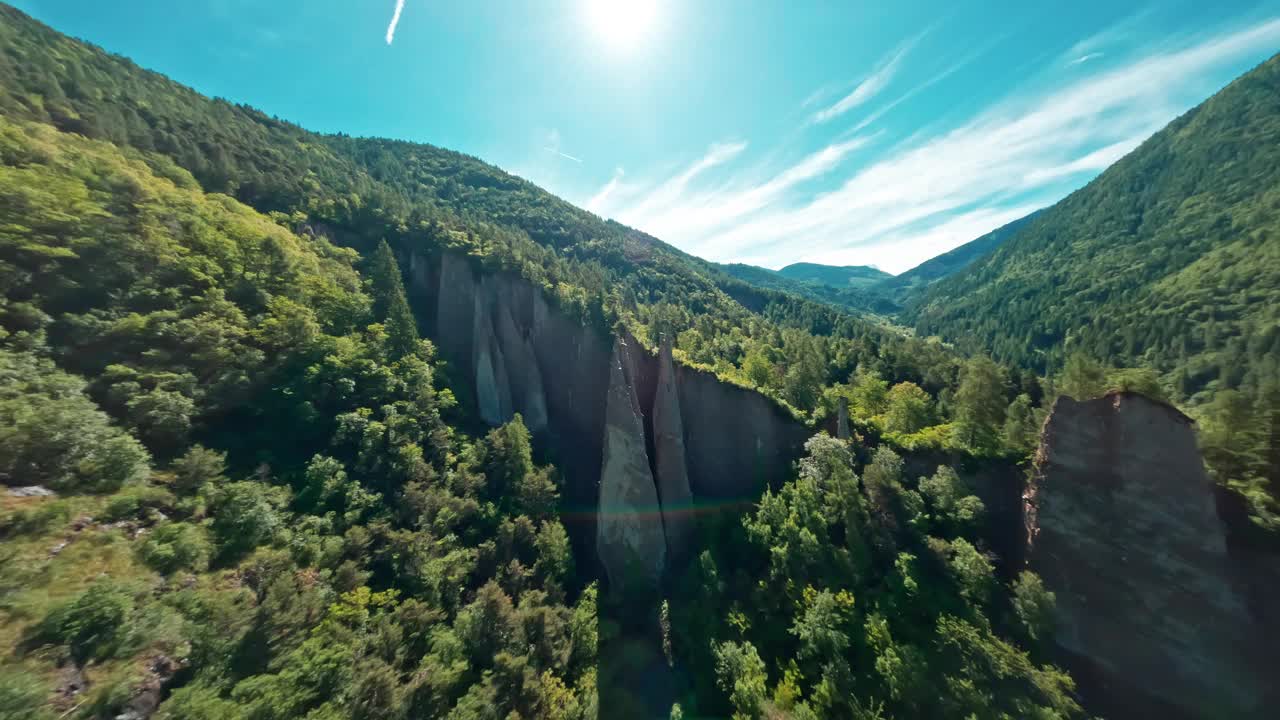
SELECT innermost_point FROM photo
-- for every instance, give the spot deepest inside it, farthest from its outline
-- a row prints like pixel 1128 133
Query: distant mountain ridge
pixel 1170 258
pixel 858 276
pixel 900 287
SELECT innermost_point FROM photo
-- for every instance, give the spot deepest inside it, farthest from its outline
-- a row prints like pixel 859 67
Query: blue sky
pixel 767 132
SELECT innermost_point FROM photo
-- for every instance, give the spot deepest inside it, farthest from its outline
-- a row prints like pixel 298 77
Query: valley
pixel 308 425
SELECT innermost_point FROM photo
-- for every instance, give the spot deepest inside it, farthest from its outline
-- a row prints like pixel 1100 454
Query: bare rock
pixel 842 418
pixel 669 456
pixel 1122 526
pixel 30 491
pixel 630 539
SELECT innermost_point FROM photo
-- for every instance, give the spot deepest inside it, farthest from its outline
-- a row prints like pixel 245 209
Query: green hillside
pixel 855 276
pixel 855 298
pixel 1170 259
pixel 903 288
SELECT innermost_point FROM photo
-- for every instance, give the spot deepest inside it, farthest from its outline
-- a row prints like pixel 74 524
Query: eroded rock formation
pixel 630 537
pixel 519 353
pixel 669 456
pixel 842 418
pixel 1122 526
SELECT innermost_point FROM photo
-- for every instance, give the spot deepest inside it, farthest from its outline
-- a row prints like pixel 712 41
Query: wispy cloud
pixel 395 20
pixel 1086 58
pixel 868 88
pixel 597 201
pixel 935 190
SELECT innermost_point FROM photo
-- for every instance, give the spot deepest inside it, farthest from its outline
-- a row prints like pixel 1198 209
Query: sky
pixel 844 132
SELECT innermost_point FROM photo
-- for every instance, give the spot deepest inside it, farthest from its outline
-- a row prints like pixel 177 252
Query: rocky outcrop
pixel 519 353
pixel 1121 524
pixel 630 538
pixel 669 456
pixel 842 418
pixel 492 384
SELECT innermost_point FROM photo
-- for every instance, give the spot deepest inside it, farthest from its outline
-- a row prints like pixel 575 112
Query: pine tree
pixel 1020 425
pixel 389 302
pixel 1083 378
pixel 980 404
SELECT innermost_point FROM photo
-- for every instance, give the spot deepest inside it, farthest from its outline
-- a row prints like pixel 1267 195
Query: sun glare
pixel 622 25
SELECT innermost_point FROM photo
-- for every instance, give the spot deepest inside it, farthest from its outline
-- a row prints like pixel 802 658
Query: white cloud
pixel 932 192
pixel 395 20
pixel 867 89
pixel 1086 58
pixel 672 209
pixel 597 201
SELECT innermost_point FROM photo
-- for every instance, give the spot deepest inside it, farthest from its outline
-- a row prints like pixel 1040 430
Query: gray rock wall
pixel 1122 526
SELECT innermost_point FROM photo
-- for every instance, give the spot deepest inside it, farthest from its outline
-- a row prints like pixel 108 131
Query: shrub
pixel 176 546
pixel 93 625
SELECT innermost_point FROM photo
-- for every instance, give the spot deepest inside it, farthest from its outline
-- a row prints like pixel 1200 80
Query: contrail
pixel 395 20
pixel 562 154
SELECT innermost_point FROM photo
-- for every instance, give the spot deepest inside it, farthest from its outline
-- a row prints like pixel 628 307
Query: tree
pixel 1021 431
pixel 390 304
pixel 507 458
pixel 1232 438
pixel 757 367
pixel 1034 605
pixel 909 409
pixel 245 515
pixel 94 625
pixel 176 546
pixel 198 467
pixel 980 404
pixel 1143 381
pixel 1083 378
pixel 740 674
pixel 870 394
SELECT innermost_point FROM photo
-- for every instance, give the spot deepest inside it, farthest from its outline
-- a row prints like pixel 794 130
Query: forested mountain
pixel 856 297
pixel 855 276
pixel 903 288
pixel 1170 259
pixel 245 487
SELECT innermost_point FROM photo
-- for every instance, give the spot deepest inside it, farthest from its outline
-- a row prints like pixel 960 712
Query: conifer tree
pixel 389 302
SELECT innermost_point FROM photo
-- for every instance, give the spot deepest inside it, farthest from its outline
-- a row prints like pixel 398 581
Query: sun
pixel 621 25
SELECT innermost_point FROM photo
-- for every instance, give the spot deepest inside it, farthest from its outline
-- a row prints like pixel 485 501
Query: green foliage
pixel 245 515
pixel 52 434
pixel 22 696
pixel 176 546
pixel 980 404
pixel 1021 432
pixel 1083 378
pixel 95 625
pixel 197 468
pixel 909 409
pixel 1168 260
pixel 1034 605
pixel 918 641
pixel 741 674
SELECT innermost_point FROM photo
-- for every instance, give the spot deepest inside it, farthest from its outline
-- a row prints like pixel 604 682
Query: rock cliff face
pixel 518 353
pixel 1121 524
pixel 630 538
pixel 671 467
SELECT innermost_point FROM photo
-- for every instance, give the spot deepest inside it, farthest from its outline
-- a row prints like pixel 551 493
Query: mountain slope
pixel 902 287
pixel 1170 258
pixel 858 298
pixel 857 276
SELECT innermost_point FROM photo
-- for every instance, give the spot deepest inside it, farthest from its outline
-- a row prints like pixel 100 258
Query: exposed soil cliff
pixel 1122 525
